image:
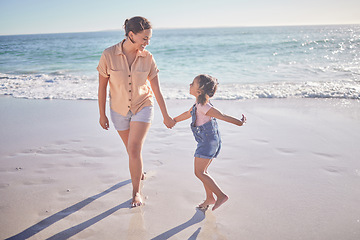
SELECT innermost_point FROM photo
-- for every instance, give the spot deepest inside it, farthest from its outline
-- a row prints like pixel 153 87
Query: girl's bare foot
pixel 137 200
pixel 220 201
pixel 206 203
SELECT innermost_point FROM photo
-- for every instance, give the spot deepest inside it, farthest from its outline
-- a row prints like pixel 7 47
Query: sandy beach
pixel 292 172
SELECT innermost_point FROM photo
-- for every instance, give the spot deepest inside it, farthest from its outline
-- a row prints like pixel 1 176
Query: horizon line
pixel 184 28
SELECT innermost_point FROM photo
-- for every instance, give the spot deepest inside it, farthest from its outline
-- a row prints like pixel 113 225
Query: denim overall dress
pixel 207 137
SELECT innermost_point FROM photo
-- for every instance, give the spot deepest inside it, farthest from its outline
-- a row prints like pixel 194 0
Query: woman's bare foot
pixel 206 203
pixel 137 200
pixel 143 176
pixel 220 201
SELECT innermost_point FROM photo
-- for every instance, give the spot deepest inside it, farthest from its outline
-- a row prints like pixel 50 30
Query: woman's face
pixel 141 39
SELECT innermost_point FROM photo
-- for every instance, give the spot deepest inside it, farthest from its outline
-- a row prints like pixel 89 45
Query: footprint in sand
pixel 157 162
pixel 286 150
pixel 260 141
pixel 333 170
pixel 155 151
pixel 328 156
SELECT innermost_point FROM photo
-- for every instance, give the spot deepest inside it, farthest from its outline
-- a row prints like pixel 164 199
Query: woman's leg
pixel 125 138
pixel 201 165
pixel 136 138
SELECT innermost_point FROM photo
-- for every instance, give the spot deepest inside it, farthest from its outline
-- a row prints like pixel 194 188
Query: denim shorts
pixel 208 140
pixel 122 123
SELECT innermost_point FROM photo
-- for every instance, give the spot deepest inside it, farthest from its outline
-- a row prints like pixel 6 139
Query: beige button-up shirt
pixel 129 89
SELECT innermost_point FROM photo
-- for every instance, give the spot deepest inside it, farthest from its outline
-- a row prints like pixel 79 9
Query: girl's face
pixel 194 88
pixel 141 39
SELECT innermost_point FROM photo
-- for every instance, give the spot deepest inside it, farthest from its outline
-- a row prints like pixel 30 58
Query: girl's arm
pixel 155 86
pixel 103 82
pixel 183 116
pixel 215 113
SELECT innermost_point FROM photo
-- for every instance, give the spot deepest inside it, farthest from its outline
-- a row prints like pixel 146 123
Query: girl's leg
pixel 201 165
pixel 209 194
pixel 136 138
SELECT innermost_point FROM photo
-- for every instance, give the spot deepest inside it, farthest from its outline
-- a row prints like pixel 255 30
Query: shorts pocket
pixel 211 135
pixel 198 136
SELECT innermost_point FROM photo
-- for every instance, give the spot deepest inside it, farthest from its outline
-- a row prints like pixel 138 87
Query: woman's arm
pixel 155 86
pixel 103 82
pixel 215 113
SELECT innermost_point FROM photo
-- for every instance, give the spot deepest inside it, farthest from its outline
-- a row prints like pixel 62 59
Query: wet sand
pixel 292 172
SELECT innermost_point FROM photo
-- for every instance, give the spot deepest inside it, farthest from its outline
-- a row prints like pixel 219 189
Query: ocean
pixel 249 62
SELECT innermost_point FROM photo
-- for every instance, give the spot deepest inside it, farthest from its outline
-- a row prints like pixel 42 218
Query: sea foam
pixel 43 86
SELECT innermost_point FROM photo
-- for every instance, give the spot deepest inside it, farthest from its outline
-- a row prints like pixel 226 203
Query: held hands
pixel 169 122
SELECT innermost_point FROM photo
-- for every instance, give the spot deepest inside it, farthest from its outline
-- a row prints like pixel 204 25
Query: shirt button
pixel 129 75
pixel 129 100
pixel 129 90
pixel 129 83
pixel 128 106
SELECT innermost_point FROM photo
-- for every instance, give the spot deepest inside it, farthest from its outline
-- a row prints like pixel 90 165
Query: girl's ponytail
pixel 202 98
pixel 207 86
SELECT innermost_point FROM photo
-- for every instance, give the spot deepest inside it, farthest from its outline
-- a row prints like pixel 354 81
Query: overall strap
pixel 193 115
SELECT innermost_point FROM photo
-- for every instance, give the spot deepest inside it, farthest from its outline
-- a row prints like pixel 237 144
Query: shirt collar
pixel 119 50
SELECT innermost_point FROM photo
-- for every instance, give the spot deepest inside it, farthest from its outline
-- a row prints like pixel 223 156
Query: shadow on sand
pixel 31 231
pixel 198 217
pixel 66 234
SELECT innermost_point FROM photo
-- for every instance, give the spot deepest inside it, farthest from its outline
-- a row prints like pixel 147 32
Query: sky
pixel 58 16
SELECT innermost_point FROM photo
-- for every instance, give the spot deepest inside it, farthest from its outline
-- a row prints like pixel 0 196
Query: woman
pixel 127 67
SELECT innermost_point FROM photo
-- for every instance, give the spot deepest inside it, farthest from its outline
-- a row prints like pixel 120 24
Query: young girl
pixel 205 130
